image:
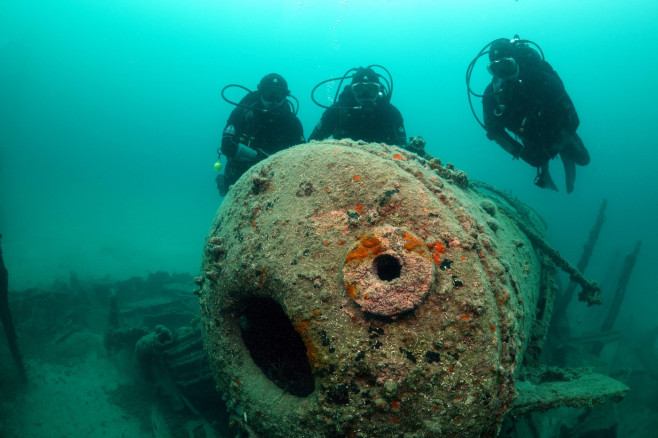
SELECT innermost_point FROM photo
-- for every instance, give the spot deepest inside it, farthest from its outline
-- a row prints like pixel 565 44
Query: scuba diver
pixel 527 98
pixel 264 122
pixel 363 111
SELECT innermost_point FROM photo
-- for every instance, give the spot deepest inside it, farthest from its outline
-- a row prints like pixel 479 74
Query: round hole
pixel 387 267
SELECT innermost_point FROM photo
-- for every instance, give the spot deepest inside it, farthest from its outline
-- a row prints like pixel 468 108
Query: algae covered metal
pixel 359 290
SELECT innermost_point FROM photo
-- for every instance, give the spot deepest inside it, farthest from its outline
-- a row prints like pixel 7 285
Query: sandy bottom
pixel 76 395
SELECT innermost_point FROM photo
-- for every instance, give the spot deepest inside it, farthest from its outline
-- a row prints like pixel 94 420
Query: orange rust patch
pixel 492 327
pixel 312 353
pixel 340 243
pixel 325 243
pixel 351 290
pixel 327 189
pixel 463 258
pixel 467 317
pixel 395 404
pixel 398 157
pixel 359 208
pixel 356 178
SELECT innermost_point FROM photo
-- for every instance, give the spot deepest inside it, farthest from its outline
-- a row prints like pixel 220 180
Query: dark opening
pixel 387 267
pixel 275 346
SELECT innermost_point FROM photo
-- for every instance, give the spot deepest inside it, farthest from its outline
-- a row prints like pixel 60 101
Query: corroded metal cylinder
pixel 358 290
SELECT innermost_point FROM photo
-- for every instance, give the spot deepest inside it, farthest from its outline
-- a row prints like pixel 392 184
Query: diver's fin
pixel 544 179
pixel 569 172
pixel 576 151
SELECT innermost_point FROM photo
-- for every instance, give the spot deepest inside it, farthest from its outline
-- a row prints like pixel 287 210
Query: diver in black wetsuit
pixel 526 98
pixel 263 123
pixel 363 111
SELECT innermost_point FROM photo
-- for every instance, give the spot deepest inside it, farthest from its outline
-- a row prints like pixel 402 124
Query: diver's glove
pixel 245 154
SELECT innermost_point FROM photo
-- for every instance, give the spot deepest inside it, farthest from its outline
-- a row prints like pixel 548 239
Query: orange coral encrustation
pixel 369 246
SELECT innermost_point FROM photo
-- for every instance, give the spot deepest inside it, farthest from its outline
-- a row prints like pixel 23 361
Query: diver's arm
pixel 508 143
pixel 495 125
pixel 231 134
pixel 497 133
pixel 325 126
pixel 229 141
pixel 233 138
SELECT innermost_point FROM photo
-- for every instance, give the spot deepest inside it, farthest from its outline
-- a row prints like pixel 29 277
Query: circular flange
pixel 389 271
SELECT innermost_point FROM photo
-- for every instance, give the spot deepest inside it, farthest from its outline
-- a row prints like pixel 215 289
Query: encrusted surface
pixel 426 350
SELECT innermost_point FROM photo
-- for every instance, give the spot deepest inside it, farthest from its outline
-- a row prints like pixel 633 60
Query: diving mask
pixel 504 68
pixel 366 92
pixel 273 98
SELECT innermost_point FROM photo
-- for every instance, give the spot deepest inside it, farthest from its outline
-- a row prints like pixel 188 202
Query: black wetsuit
pixel 264 131
pixel 537 109
pixel 381 123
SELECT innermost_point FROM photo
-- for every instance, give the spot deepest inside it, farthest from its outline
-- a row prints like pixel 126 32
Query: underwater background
pixel 111 114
